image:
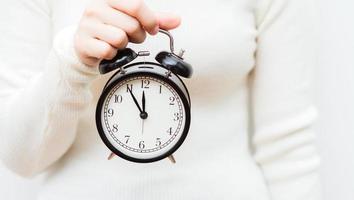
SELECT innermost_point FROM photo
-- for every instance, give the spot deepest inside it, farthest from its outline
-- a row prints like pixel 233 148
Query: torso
pixel 219 37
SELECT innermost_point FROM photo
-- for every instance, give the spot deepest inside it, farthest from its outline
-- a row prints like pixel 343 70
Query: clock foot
pixel 111 156
pixel 172 159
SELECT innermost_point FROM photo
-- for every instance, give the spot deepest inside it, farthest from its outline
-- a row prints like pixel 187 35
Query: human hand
pixel 108 25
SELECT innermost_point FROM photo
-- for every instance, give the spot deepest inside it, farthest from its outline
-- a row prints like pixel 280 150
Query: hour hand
pixel 143 101
pixel 144 114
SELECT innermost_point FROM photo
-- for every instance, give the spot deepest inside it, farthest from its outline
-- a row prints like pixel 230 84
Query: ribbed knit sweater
pixel 251 136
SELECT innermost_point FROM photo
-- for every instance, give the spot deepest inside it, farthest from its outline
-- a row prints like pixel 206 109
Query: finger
pixel 95 48
pixel 168 21
pixel 129 24
pixel 116 37
pixel 139 10
pixel 90 61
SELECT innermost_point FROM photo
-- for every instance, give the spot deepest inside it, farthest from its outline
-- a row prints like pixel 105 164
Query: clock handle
pixel 169 60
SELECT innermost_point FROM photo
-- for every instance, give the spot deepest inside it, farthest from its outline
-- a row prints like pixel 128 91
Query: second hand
pixel 142 127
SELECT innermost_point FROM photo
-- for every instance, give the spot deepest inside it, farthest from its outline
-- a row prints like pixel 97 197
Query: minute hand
pixel 135 101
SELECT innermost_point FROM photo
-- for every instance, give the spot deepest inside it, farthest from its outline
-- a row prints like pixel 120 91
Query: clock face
pixel 143 117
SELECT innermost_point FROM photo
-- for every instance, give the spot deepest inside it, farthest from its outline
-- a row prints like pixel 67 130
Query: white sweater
pixel 251 136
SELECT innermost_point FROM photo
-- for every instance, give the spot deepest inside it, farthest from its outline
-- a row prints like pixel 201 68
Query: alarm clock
pixel 144 112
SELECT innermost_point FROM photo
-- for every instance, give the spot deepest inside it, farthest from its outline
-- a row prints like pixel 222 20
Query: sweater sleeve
pixel 43 87
pixel 283 112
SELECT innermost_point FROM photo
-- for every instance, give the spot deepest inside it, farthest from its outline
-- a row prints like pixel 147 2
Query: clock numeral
pixel 158 142
pixel 127 137
pixel 145 84
pixel 160 91
pixel 172 100
pixel 169 130
pixel 129 87
pixel 141 145
pixel 177 116
pixel 115 128
pixel 118 98
pixel 110 112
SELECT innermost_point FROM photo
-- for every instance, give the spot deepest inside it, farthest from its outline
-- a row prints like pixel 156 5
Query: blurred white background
pixel 335 96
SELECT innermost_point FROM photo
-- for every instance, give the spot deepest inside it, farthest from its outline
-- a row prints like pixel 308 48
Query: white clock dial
pixel 136 135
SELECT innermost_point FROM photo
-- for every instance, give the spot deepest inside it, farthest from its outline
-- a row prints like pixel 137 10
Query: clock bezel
pixel 113 81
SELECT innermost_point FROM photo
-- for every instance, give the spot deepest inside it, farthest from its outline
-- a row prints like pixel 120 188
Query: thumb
pixel 168 21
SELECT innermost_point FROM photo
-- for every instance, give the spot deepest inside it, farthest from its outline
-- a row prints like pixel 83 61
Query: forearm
pixel 38 121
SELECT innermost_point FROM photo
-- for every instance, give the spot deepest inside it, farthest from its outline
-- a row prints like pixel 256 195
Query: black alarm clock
pixel 144 112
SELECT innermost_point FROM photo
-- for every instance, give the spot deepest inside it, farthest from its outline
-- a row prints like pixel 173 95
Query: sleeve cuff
pixel 72 68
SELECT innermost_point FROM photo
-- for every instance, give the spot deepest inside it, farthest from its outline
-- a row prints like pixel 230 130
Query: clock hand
pixel 143 101
pixel 142 127
pixel 135 101
pixel 143 115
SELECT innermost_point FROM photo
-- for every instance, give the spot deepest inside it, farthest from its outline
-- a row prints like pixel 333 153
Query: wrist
pixel 71 66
